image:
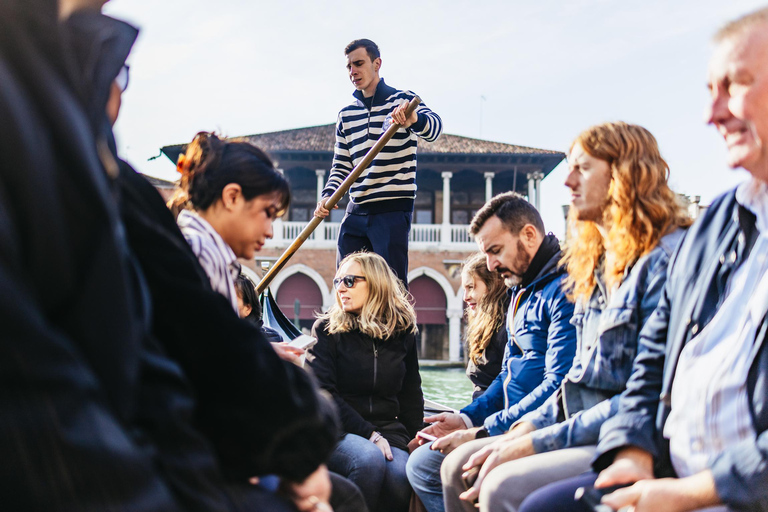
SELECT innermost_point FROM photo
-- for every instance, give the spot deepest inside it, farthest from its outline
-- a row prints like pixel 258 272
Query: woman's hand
pixel 381 442
pixel 288 353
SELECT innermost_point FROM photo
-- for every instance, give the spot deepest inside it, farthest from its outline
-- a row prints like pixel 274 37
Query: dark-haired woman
pixel 249 308
pixel 486 297
pixel 232 193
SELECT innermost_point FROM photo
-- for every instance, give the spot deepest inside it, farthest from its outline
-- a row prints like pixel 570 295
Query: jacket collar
pixel 380 95
pixel 545 263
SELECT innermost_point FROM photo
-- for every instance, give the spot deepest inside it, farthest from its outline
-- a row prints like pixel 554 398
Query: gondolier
pixel 379 213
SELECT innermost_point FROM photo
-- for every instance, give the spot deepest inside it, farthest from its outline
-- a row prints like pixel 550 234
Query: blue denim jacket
pixel 536 359
pixel 715 246
pixel 607 330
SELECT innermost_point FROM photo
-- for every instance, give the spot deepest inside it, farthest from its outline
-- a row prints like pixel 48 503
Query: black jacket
pixel 717 244
pixel 94 417
pixel 262 415
pixel 376 383
pixel 489 363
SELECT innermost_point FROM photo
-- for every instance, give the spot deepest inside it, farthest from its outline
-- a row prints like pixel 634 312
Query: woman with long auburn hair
pixel 486 297
pixel 365 357
pixel 610 232
pixel 623 225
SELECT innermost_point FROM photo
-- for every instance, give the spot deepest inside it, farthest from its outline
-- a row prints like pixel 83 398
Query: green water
pixel 448 386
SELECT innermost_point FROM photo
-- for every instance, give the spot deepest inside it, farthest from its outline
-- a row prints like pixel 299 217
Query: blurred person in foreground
pixel 94 415
pixel 261 416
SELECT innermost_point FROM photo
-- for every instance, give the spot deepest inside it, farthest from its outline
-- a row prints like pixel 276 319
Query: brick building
pixel 456 176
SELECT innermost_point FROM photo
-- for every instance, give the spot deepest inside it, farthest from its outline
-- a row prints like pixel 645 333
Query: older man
pixel 695 408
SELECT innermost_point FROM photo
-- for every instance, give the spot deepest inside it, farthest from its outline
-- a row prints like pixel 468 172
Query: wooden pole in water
pixel 334 199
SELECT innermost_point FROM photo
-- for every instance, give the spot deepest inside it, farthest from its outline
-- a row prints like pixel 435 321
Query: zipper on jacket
pixel 506 383
pixel 516 301
pixel 375 374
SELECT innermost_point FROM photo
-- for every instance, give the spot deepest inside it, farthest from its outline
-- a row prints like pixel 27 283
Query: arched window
pixel 300 287
pixel 430 304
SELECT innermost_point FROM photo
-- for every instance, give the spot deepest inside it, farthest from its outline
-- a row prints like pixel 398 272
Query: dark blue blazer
pixel 712 249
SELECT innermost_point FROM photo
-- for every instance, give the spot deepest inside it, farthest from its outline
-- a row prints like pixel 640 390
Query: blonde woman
pixel 487 300
pixel 366 358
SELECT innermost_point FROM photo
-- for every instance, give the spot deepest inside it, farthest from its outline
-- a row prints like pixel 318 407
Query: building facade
pixel 455 177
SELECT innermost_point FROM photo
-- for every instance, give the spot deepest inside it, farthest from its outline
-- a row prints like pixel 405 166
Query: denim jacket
pixel 717 244
pixel 607 328
pixel 536 358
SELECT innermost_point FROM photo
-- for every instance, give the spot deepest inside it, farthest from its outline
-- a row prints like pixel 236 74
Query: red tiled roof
pixel 322 138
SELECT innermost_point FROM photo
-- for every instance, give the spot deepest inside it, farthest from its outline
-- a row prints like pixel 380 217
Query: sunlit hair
pixel 488 316
pixel 387 309
pixel 641 208
pixel 742 25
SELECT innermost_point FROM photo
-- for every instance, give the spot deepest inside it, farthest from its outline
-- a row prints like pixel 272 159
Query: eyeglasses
pixel 348 281
pixel 121 80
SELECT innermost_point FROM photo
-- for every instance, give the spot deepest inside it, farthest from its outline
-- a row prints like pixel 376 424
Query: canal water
pixel 447 386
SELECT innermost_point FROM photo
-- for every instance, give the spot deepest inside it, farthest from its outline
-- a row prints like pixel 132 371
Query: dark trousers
pixel 558 496
pixel 386 234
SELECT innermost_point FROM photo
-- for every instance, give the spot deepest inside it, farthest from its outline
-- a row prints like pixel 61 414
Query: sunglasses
pixel 122 78
pixel 348 281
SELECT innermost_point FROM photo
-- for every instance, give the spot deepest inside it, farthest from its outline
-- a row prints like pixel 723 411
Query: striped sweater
pixel 389 183
pixel 213 253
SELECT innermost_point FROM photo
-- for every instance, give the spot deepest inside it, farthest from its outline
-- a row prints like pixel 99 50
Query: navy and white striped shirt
pixel 392 174
pixel 214 254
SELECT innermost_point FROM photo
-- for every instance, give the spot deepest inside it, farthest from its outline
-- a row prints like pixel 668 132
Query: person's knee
pixel 423 466
pixel 370 460
pixel 362 457
pixel 495 493
pixel 452 467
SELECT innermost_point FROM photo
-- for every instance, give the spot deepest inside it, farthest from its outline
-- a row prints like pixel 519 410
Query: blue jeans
pixel 382 482
pixel 423 470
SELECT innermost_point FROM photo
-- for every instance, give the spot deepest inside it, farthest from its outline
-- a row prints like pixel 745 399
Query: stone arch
pixel 454 309
pixel 309 272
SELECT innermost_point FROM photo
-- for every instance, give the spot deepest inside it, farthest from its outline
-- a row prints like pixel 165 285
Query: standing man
pixel 380 209
pixel 692 428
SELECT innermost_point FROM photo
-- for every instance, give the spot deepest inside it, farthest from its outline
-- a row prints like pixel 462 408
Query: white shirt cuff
pixel 467 421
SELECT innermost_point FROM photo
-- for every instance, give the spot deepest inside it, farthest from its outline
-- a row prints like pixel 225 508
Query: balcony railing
pixel 423 236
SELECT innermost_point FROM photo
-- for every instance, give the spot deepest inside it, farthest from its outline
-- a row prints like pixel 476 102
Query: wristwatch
pixel 482 433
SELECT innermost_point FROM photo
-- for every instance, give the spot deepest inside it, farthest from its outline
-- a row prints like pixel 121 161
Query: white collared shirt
pixel 710 406
pixel 214 254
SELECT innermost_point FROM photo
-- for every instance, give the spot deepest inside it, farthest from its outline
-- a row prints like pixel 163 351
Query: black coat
pixel 262 415
pixel 94 417
pixel 489 363
pixel 376 383
pixel 257 411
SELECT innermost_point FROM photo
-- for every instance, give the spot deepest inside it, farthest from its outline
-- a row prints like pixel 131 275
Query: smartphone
pixel 303 341
pixel 424 435
pixel 591 497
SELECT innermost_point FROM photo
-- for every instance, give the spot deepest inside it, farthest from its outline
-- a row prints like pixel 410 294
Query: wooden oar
pixel 335 198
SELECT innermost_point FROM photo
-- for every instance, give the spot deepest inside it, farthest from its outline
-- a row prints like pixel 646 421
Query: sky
pixel 519 72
